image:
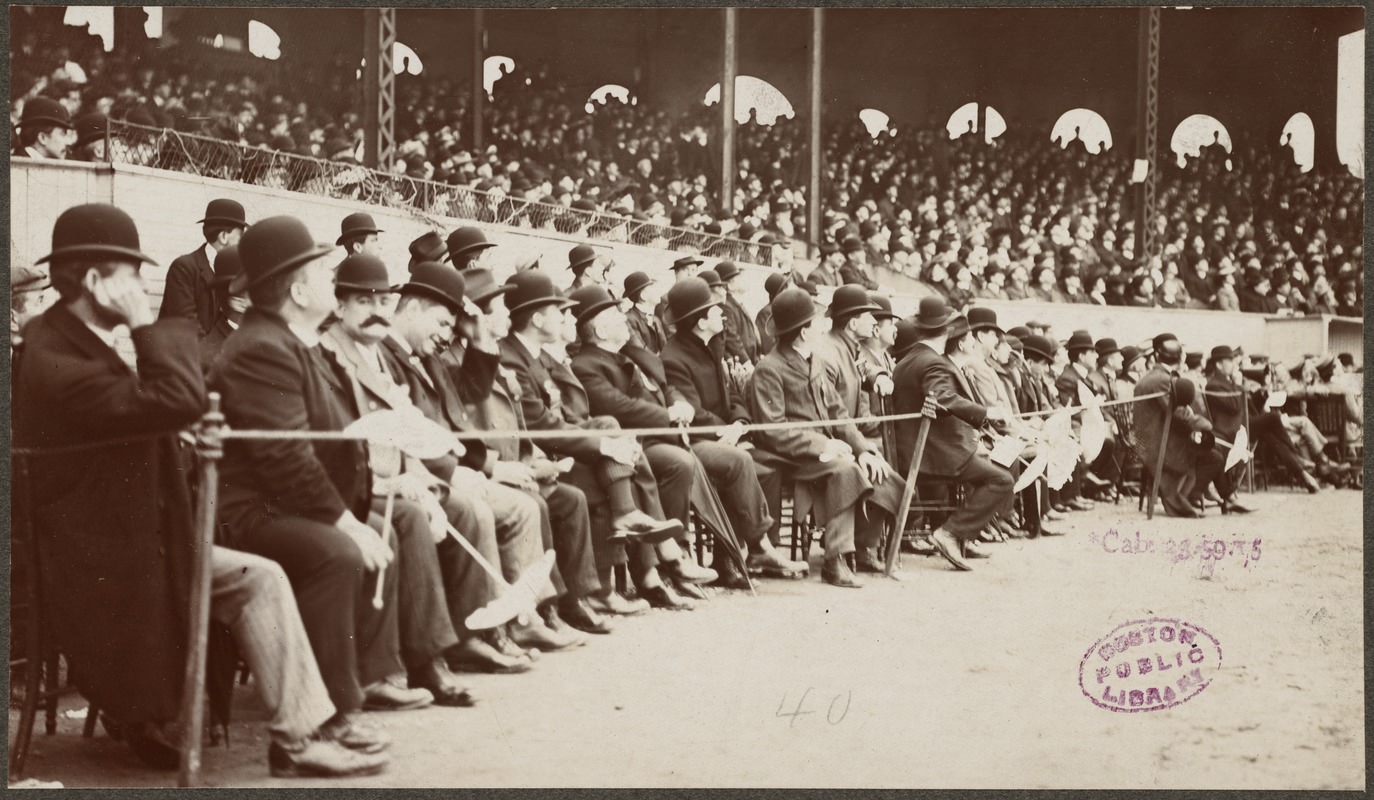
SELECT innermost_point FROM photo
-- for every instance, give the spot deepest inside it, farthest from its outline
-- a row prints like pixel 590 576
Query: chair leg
pixel 52 682
pixel 19 753
pixel 92 714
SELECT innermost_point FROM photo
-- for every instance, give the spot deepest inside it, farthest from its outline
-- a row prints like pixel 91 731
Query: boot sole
pixel 300 771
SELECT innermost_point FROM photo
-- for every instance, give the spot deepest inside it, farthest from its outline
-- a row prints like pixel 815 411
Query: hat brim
pixel 495 291
pixel 61 123
pixel 581 266
pixel 778 331
pixel 369 288
pixel 853 311
pixel 677 265
pixel 923 325
pixel 530 305
pixel 448 256
pixel 227 220
pixel 1101 353
pixel 431 293
pixel 96 250
pixel 986 326
pixel 709 304
pixel 595 308
pixel 320 249
pixel 359 232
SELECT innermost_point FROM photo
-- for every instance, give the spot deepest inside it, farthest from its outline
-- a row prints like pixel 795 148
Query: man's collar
pixel 401 343
pixel 210 253
pixel 308 336
pixel 532 347
pixel 106 336
pixel 1080 369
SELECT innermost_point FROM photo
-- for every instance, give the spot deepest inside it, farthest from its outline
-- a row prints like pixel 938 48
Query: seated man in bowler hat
pixel 113 524
pixel 646 329
pixel 358 234
pixel 45 130
pixel 189 291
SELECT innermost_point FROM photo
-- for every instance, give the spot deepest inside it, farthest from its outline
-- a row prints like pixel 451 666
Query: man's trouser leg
pixel 732 472
pixel 572 540
pixel 421 603
pixel 989 485
pixel 252 596
pixel 473 518
pixel 518 536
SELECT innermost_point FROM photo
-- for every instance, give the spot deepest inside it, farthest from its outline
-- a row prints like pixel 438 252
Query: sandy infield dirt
pixel 943 680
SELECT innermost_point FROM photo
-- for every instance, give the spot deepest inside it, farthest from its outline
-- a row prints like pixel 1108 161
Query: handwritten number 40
pixel 835 714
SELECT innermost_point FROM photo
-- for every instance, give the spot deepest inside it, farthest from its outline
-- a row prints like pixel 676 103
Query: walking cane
pixel 1159 462
pixel 529 580
pixel 386 540
pixel 209 448
pixel 894 544
pixel 1249 463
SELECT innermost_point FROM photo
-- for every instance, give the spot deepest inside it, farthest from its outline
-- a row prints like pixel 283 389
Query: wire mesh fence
pixel 345 179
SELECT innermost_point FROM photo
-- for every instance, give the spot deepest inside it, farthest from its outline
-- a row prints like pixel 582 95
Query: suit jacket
pixel 849 373
pixel 763 323
pixel 212 342
pixel 113 524
pixel 544 405
pixel 953 438
pixel 857 273
pixel 823 275
pixel 617 387
pixel 646 330
pixel 1227 412
pixel 433 392
pixel 1067 385
pixel 787 388
pixel 1180 454
pixel 1101 384
pixel 271 380
pixel 501 410
pixel 189 291
pixel 697 371
pixel 741 339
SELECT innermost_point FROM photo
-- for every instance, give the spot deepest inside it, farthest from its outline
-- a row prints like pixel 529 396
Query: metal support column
pixel 479 90
pixel 727 115
pixel 1147 132
pixel 813 197
pixel 379 86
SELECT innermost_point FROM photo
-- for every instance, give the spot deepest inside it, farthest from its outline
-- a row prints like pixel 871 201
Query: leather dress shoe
pixel 436 678
pixel 971 550
pixel 1059 508
pixel 688 571
pixel 836 572
pixel 157 746
pixel 499 637
pixel 536 635
pixel 1055 515
pixel 387 695
pixel 317 757
pixel 350 731
pixel 641 527
pixel 1094 481
pixel 686 589
pixel 661 596
pixel 1230 506
pixel 580 615
pixel 1079 504
pixel 1047 532
pixel 948 545
pixel 867 560
pixel 731 578
pixel 554 621
pixel 476 655
pixel 618 604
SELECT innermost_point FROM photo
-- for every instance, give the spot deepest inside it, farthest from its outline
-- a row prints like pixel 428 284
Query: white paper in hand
pixel 1005 450
pixel 408 430
pixel 1240 449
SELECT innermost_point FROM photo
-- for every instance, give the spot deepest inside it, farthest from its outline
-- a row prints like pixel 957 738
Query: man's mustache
pixel 376 320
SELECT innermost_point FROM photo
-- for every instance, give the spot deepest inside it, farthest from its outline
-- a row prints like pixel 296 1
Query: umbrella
pixel 705 501
pixel 1240 449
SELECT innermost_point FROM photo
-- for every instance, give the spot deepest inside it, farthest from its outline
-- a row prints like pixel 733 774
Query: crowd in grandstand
pixel 1021 218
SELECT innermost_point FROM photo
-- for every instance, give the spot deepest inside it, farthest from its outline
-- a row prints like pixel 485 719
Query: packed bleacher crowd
pixel 1021 218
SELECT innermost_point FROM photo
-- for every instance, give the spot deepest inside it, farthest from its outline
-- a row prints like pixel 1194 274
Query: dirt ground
pixel 942 680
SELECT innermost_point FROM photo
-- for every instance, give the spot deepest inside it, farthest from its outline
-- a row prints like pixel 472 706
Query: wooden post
pixel 1159 462
pixel 209 449
pixel 894 544
pixel 813 197
pixel 479 90
pixel 727 115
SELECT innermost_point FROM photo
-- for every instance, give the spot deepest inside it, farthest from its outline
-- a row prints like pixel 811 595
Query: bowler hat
pixel 1162 341
pixel 983 318
pixel 588 301
pixel 482 285
pixel 884 306
pixel 41 110
pixel 224 211
pixel 465 240
pixel 274 245
pixel 354 225
pixel 827 248
pixel 580 258
pixel 429 246
pixel 228 267
pixel 727 270
pixel 851 244
pixel 1015 343
pixel 635 283
pixel 792 309
pixel 361 272
pixel 774 283
pixel 1129 355
pixel 94 229
pixel 689 297
pixel 850 300
pixel 933 314
pixel 1184 393
pixel 530 289
pixel 1020 332
pixel 1193 359
pixel 712 278
pixel 1078 342
pixel 29 279
pixel 1038 345
pixel 90 127
pixel 907 337
pixel 686 261
pixel 957 327
pixel 1221 352
pixel 439 282
pixel 1106 347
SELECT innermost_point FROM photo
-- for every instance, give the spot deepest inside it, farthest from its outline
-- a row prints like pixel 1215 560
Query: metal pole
pixel 727 115
pixel 1147 127
pixel 209 449
pixel 813 199
pixel 479 91
pixel 372 24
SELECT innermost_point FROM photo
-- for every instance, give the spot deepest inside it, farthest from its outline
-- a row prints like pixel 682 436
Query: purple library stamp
pixel 1149 665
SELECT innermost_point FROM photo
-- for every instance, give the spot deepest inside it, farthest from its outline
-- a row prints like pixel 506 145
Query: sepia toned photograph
pixel 691 398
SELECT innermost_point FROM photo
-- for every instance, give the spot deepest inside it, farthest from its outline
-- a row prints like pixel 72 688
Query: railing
pixel 163 148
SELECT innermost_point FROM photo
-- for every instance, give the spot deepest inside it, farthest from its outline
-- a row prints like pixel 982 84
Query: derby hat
pixel 792 308
pixel 774 283
pixel 274 245
pixel 908 335
pixel 686 261
pixel 983 318
pixel 580 258
pixel 45 110
pixel 957 327
pixel 93 230
pixel 228 267
pixel 361 272
pixel 1129 355
pixel 884 306
pixel 531 289
pixel 1106 347
pixel 588 301
pixel 1163 340
pixel 1193 359
pixel 482 285
pixel 1078 342
pixel 90 127
pixel 1020 332
pixel 688 297
pixel 1038 345
pixel 635 283
pixel 852 244
pixel 29 279
pixel 727 270
pixel 712 278
pixel 439 282
pixel 224 211
pixel 933 314
pixel 1222 352
pixel 429 246
pixel 355 225
pixel 829 248
pixel 1015 343
pixel 465 240
pixel 850 300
